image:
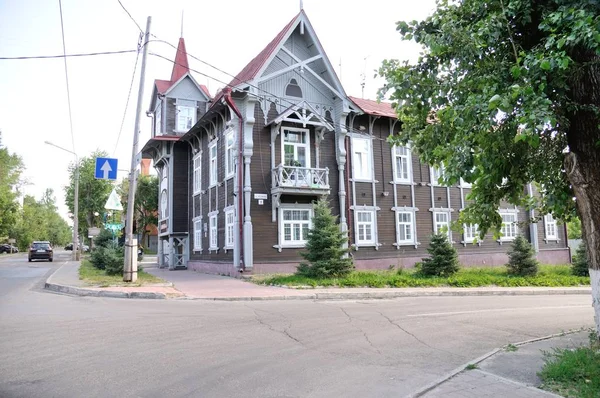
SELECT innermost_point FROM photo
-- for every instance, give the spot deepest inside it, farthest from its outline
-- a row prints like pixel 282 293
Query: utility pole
pixel 130 266
pixel 76 213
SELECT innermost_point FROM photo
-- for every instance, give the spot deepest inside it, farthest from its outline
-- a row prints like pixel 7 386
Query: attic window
pixel 293 89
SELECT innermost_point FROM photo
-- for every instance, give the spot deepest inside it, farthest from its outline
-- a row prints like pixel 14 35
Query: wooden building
pixel 239 171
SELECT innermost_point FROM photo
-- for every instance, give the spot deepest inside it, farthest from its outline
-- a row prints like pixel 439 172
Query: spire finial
pixel 301 5
pixel 181 23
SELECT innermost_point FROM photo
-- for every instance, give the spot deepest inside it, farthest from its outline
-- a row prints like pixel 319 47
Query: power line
pixel 62 28
pixel 134 21
pixel 127 102
pixel 69 55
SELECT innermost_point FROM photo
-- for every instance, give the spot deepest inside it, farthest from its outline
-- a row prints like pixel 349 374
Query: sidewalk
pixel 186 284
pixel 504 373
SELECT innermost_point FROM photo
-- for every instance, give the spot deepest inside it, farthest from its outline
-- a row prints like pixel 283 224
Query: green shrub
pixel 109 258
pixel 580 262
pixel 443 260
pixel 521 258
pixel 324 252
pixel 104 239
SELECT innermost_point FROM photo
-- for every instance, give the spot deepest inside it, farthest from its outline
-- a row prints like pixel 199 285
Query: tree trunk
pixel 582 163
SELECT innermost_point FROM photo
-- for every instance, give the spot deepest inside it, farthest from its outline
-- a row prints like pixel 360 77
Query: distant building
pixel 238 172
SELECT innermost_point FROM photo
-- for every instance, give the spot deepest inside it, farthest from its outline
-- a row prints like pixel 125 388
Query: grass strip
pixel 549 276
pixel 98 277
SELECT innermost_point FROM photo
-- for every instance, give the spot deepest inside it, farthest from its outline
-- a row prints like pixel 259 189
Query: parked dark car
pixel 85 248
pixel 8 248
pixel 41 250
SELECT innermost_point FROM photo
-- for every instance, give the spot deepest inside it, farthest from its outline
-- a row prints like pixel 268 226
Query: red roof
pixel 375 108
pixel 251 70
pixel 165 138
pixel 180 68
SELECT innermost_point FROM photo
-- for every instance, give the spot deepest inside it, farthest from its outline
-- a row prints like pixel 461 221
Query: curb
pixel 462 368
pixel 391 295
pixel 77 291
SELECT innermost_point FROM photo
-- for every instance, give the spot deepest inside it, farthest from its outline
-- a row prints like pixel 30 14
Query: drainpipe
pixel 233 106
pixel 533 231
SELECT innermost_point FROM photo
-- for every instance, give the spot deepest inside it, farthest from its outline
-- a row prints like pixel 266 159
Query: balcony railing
pixel 300 178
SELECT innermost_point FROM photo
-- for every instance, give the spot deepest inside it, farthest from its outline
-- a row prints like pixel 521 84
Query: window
pixel 296 148
pixel 405 227
pixel 441 222
pixel 437 173
pixel 186 115
pixel 364 227
pixel 471 232
pixel 293 89
pixel 212 149
pixel 550 227
pixel 229 217
pixel 295 224
pixel 158 119
pixel 229 153
pixel 509 226
pixel 197 173
pixel 361 159
pixel 402 164
pixel 198 234
pixel 213 232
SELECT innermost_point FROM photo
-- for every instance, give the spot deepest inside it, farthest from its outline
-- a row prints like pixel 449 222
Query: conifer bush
pixel 580 262
pixel 324 255
pixel 521 258
pixel 443 260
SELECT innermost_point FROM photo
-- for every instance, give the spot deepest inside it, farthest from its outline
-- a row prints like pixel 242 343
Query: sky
pixel 359 35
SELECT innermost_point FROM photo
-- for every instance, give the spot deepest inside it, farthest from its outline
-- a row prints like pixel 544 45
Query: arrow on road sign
pixel 105 170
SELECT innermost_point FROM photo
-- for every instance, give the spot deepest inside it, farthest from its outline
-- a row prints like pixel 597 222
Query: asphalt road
pixel 53 345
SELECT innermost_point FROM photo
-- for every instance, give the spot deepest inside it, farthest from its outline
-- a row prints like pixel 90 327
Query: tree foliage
pixel 146 202
pixel 499 91
pixel 443 260
pixel 574 228
pixel 580 262
pixel 39 220
pixel 521 258
pixel 11 168
pixel 325 254
pixel 93 193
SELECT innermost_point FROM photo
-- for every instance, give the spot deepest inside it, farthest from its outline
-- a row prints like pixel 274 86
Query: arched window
pixel 293 89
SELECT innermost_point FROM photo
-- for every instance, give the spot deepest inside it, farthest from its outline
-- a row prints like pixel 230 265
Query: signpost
pixel 113 202
pixel 106 169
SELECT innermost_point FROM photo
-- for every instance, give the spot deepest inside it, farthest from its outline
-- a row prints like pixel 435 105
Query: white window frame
pixel 229 155
pixel 197 173
pixel 365 174
pixel 213 165
pixel 438 225
pixel 549 225
pixel 158 119
pixel 361 227
pixel 197 227
pixel 229 228
pixel 213 231
pixel 509 226
pixel 293 243
pixel 471 232
pixel 402 225
pixel 305 145
pixel 406 156
pixel 436 173
pixel 187 106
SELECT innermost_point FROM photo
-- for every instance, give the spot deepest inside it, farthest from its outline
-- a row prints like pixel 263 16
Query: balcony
pixel 300 180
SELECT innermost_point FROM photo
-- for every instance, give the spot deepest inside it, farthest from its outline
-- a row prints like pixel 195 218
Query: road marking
pixel 495 310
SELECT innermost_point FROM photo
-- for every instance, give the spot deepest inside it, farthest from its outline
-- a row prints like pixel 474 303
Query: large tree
pixel 505 93
pixel 146 202
pixel 11 168
pixel 93 193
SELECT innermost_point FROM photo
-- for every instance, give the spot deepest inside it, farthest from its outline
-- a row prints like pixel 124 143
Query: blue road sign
pixel 106 169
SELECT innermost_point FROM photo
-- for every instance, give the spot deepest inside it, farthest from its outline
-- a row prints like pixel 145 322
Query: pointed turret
pixel 181 66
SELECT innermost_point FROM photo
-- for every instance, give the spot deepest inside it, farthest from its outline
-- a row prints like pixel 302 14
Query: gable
pixel 186 89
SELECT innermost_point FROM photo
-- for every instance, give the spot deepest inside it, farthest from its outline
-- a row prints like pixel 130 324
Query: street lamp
pixel 75 203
